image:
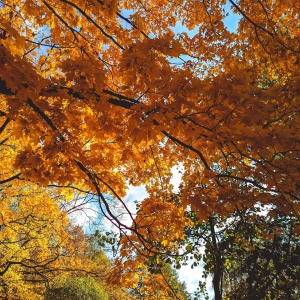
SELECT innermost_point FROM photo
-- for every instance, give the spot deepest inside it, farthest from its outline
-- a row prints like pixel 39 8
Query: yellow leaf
pixel 165 243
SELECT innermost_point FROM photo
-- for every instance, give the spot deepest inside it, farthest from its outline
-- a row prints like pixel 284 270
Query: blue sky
pixel 230 21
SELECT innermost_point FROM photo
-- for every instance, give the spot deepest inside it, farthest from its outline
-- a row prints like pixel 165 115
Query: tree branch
pixel 93 22
pixel 41 113
pixel 17 176
pixel 4 125
pixel 177 141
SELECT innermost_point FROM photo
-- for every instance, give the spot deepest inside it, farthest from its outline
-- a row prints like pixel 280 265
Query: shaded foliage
pixel 75 288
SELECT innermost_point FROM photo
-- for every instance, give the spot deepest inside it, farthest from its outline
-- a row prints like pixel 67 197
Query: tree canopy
pixel 76 288
pixel 98 95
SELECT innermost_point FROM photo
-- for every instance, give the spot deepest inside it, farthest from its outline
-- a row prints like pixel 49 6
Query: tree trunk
pixel 217 274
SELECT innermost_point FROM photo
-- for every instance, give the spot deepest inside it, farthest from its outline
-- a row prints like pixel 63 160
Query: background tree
pixel 75 288
pixel 33 236
pixel 158 280
pixel 252 254
pixel 261 258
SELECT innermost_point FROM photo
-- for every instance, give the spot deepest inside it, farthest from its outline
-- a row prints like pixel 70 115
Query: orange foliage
pixel 91 95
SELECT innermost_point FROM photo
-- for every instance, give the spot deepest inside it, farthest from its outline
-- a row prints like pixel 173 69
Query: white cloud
pixel 136 193
pixel 176 177
pixel 82 210
pixel 191 277
pixel 85 216
pixel 133 193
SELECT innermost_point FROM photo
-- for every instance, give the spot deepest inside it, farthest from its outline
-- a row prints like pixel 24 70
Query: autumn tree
pixel 40 246
pixel 33 236
pixel 152 279
pixel 98 95
pixel 76 288
pixel 83 271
